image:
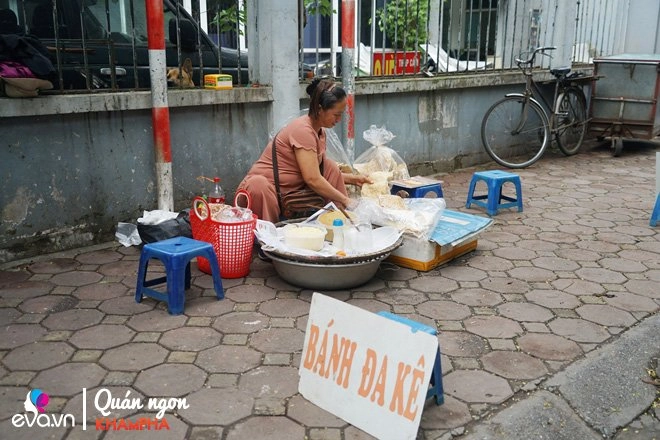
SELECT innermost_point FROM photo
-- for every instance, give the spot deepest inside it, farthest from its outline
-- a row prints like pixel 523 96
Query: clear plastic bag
pixel 418 218
pixel 335 150
pixel 381 163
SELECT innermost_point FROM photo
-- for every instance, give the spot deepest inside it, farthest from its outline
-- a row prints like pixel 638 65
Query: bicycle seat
pixel 560 72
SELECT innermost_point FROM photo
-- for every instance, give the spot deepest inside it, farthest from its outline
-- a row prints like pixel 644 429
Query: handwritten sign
pixel 369 370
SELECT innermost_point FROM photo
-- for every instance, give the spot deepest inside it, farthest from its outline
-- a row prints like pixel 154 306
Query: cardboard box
pixel 218 81
pixel 416 253
pixel 454 235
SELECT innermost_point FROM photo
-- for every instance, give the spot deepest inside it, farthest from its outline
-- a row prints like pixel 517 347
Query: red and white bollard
pixel 160 112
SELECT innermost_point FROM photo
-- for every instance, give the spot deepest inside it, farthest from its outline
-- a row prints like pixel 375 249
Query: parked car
pixel 99 44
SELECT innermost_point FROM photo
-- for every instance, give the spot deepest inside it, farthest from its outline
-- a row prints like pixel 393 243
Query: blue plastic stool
pixel 175 253
pixel 436 388
pixel 656 212
pixel 433 190
pixel 493 200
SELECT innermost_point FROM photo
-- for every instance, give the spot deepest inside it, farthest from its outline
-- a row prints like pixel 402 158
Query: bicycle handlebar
pixel 530 60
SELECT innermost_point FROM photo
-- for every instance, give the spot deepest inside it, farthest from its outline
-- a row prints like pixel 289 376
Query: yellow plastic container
pixel 218 82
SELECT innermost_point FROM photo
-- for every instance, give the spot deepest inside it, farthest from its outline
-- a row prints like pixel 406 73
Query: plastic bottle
pixel 217 194
pixel 350 240
pixel 338 233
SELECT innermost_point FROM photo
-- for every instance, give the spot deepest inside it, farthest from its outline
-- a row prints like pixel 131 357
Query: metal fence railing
pixel 413 37
pixel 102 44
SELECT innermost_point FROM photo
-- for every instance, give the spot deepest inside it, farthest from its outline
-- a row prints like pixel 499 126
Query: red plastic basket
pixel 232 241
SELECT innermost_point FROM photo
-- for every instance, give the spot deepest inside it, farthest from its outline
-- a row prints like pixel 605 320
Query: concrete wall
pixel 68 178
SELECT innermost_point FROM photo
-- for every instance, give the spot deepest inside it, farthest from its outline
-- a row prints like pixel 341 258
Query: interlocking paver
pixel 170 380
pixel 524 312
pixel 275 428
pixel 477 386
pixel 55 265
pixel 277 340
pixel 513 365
pixel 58 381
pixel 433 283
pixel 228 359
pixel 42 304
pixel 73 319
pixel 133 357
pixel 579 330
pixel 505 285
pixel 217 406
pixel 444 310
pixel 455 343
pixel 250 293
pixel 401 296
pixel 645 288
pixel 605 315
pixel 493 326
pixel 632 302
pixel 153 321
pixel 190 339
pixel 477 297
pixel 102 336
pixel 101 291
pixel 284 308
pixel 305 412
pixel 102 256
pixel 549 346
pixel 563 278
pixel 26 289
pixel 38 356
pixel 553 299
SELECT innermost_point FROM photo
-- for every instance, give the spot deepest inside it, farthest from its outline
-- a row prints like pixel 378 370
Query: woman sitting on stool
pixel 301 158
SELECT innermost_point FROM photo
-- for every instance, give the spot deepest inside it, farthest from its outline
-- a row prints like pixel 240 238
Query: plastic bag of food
pixel 381 163
pixel 335 150
pixel 415 216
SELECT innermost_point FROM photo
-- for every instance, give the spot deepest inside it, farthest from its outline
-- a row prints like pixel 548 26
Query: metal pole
pixel 348 79
pixel 160 113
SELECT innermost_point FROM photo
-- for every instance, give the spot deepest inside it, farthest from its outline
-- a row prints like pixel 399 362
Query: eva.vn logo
pixel 35 403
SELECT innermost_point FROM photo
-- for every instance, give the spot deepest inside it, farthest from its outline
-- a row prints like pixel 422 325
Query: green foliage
pixel 322 7
pixel 227 17
pixel 404 23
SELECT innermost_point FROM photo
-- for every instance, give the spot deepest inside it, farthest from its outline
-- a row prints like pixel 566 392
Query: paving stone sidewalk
pixel 553 298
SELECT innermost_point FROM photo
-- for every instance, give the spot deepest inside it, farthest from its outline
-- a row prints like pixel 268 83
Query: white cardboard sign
pixel 369 370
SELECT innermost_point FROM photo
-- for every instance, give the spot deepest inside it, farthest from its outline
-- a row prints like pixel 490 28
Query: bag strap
pixel 276 176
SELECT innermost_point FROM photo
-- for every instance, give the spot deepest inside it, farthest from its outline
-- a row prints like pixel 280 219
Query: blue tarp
pixel 454 227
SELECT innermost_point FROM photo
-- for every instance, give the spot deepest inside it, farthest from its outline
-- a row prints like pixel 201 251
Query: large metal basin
pixel 326 276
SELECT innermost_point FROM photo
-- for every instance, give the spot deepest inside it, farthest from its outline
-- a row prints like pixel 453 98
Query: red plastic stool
pixel 175 253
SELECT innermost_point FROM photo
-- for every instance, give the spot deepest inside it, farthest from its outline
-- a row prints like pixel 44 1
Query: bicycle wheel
pixel 515 132
pixel 570 120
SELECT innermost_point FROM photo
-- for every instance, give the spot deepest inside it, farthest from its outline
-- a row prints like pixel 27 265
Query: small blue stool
pixel 436 388
pixel 493 200
pixel 433 190
pixel 656 212
pixel 175 253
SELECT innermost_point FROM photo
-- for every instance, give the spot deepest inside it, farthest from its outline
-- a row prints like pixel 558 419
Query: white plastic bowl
pixel 304 236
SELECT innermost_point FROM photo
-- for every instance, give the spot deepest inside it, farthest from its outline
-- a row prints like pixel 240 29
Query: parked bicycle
pixel 517 129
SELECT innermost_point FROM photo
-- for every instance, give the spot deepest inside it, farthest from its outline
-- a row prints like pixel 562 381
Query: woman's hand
pixel 356 179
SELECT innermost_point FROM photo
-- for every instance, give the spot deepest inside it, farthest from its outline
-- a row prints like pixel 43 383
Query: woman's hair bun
pixel 312 86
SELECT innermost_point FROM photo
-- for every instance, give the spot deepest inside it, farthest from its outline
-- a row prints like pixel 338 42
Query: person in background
pixel 301 157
